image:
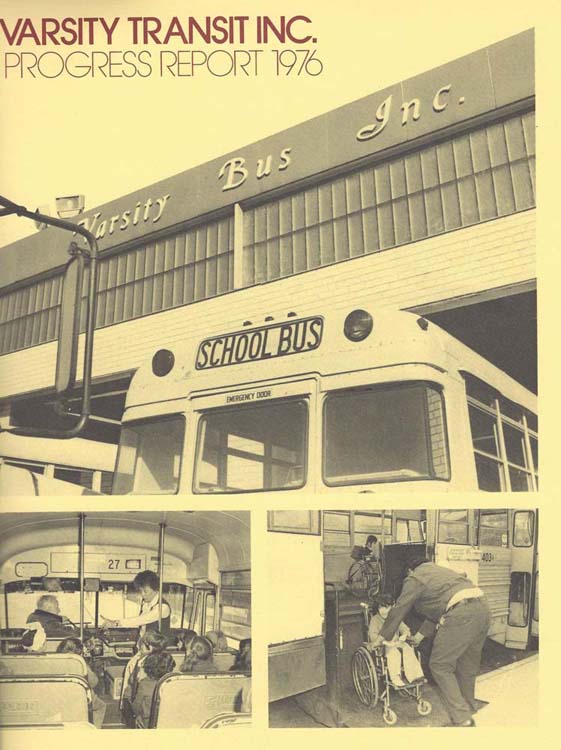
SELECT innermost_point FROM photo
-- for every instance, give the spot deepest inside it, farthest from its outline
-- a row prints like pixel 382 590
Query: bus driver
pixel 47 613
pixel 148 584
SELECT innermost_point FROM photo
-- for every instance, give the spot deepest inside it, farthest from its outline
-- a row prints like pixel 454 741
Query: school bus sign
pixel 266 342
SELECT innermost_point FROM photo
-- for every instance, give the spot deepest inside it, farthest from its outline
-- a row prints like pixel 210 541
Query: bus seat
pixel 46 701
pixel 188 700
pixel 51 645
pixel 228 720
pixel 223 660
pixel 178 657
pixel 43 664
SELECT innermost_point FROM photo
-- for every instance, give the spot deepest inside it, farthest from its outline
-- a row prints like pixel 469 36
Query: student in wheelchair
pixel 402 662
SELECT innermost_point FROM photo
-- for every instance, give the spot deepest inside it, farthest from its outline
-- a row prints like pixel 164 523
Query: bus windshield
pixel 391 433
pixel 149 458
pixel 110 599
pixel 252 448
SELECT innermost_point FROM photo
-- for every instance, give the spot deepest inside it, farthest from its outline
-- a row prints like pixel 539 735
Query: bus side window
pixel 519 599
pixel 453 527
pixel 210 602
pixel 504 440
pixel 401 530
pixel 523 528
pixel 493 528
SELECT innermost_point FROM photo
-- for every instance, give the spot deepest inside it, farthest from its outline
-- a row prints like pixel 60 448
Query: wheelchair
pixel 373 684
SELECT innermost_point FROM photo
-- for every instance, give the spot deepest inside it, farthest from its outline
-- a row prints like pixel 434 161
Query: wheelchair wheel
pixel 363 579
pixel 365 678
pixel 390 716
pixel 424 707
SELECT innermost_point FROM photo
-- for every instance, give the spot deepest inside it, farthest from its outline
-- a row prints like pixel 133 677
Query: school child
pixel 400 657
pixel 155 665
pixel 75 646
pixel 151 641
pixel 198 658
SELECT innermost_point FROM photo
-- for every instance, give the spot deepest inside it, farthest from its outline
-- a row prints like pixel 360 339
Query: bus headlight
pixel 358 325
pixel 162 362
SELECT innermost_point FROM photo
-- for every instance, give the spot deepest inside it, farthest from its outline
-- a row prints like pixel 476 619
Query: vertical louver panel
pixel 174 271
pixel 467 179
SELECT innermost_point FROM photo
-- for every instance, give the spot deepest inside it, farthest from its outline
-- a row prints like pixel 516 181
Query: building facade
pixel 424 191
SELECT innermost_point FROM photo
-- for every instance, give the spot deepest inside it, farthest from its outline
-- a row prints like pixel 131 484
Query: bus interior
pixel 88 563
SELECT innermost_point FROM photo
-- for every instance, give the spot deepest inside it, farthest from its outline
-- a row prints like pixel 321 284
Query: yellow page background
pixel 106 138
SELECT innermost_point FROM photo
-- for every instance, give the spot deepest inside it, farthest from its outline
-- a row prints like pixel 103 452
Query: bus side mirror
pixel 69 322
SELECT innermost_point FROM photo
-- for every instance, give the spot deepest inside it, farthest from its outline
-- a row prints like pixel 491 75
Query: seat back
pixel 43 664
pixel 178 657
pixel 45 701
pixel 51 645
pixel 188 700
pixel 223 660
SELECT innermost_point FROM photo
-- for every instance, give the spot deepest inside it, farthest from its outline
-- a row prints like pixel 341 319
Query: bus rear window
pixel 388 434
pixel 252 448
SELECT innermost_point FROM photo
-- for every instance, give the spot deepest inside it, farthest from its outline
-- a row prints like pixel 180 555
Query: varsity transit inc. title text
pixel 144 46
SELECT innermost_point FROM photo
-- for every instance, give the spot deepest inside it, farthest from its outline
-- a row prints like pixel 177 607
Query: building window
pixel 186 267
pixel 470 178
pixel 474 177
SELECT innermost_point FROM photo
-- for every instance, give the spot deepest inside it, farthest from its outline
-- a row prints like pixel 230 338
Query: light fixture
pixel 68 206
pixel 358 325
pixel 162 362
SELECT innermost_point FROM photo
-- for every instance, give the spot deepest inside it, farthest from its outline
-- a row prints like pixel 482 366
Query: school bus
pixel 317 620
pixel 46 460
pixel 88 563
pixel 333 401
pixel 304 388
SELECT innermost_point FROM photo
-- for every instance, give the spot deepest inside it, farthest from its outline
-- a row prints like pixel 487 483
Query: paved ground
pixel 509 682
pixel 512 692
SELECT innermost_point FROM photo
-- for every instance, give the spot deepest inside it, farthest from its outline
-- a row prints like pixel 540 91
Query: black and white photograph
pixel 135 620
pixel 415 618
pixel 358 312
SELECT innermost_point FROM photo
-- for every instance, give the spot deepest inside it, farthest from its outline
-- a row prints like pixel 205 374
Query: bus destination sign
pixel 267 342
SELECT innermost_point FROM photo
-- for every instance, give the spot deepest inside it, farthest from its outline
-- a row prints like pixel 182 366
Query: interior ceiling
pixel 504 331
pixel 227 531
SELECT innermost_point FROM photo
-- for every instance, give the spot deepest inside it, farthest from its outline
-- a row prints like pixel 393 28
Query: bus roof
pixel 227 531
pixel 204 364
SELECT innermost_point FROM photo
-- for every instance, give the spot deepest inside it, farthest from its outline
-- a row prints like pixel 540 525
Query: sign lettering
pixel 236 172
pixel 277 340
pixel 463 553
pixel 148 212
pixel 408 109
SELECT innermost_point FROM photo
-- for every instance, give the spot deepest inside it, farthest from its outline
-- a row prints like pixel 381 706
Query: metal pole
pixel 161 551
pixel 81 569
pixel 7 208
